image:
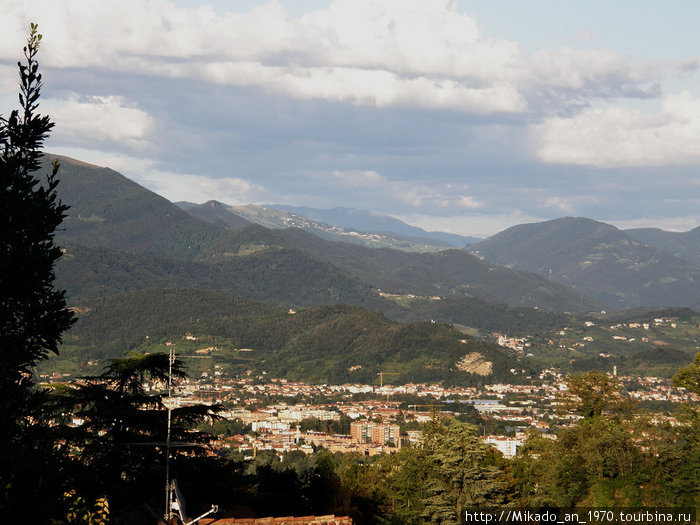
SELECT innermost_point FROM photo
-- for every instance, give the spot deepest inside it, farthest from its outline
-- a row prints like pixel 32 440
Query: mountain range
pixel 685 245
pixel 603 262
pixel 366 221
pixel 339 224
pixel 124 246
pixel 111 214
pixel 526 265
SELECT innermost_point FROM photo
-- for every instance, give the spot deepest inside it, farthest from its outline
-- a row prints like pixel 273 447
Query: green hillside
pixel 445 273
pixel 344 343
pixel 685 245
pixel 278 275
pixel 108 210
pixel 478 314
pixel 597 259
pixel 640 343
pixel 331 343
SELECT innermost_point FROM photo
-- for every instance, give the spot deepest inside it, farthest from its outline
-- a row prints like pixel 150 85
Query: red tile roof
pixel 329 519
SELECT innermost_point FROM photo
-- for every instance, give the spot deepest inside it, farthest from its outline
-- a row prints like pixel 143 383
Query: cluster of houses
pixel 376 415
pixel 376 423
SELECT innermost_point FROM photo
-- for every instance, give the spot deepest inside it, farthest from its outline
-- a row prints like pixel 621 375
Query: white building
pixel 508 446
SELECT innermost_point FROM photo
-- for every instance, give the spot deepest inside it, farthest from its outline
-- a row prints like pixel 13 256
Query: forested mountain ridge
pixel 111 212
pixel 597 259
pixel 215 212
pixel 685 245
pixel 284 276
pixel 447 273
pixel 140 252
pixel 335 343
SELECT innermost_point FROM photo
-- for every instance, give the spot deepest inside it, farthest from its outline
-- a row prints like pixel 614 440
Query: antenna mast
pixel 168 503
pixel 172 496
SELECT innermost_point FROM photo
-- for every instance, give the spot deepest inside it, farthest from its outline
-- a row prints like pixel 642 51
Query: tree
pixel 592 393
pixel 462 472
pixel 611 457
pixel 33 314
pixel 689 377
pixel 121 435
pixel 688 445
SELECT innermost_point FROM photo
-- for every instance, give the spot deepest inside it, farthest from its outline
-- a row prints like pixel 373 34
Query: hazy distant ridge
pixel 367 221
pixel 270 217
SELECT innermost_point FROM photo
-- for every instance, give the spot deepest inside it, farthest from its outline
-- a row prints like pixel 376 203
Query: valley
pixel 506 324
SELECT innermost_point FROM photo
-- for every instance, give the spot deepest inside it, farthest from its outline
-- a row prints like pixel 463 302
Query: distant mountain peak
pixel 70 160
pixel 372 222
pixel 598 259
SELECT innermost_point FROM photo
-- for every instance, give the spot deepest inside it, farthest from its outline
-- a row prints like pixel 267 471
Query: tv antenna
pixel 173 498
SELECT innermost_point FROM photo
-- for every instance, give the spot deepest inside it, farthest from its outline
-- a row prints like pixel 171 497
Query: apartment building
pixel 380 433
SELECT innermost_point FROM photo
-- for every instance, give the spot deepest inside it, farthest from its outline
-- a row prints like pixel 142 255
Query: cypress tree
pixel 33 314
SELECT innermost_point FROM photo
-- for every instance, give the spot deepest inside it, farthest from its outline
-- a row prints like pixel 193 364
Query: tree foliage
pixel 463 472
pixel 117 429
pixel 613 455
pixel 33 314
pixel 688 377
pixel 688 468
pixel 591 393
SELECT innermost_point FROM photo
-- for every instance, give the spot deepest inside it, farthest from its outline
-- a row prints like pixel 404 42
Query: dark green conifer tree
pixel 462 472
pixel 33 314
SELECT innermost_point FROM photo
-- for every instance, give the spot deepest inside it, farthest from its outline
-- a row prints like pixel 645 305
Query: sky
pixel 466 116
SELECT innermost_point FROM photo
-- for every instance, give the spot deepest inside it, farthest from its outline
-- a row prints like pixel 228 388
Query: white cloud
pixel 413 37
pixel 594 72
pixel 175 187
pixel 200 188
pixel 9 81
pixel 93 120
pixel 469 202
pixel 569 205
pixel 560 204
pixel 424 53
pixel 443 198
pixel 439 197
pixel 369 87
pixel 358 179
pixel 623 136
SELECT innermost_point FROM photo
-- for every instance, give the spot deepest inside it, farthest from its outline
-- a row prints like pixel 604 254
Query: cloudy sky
pixel 466 116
